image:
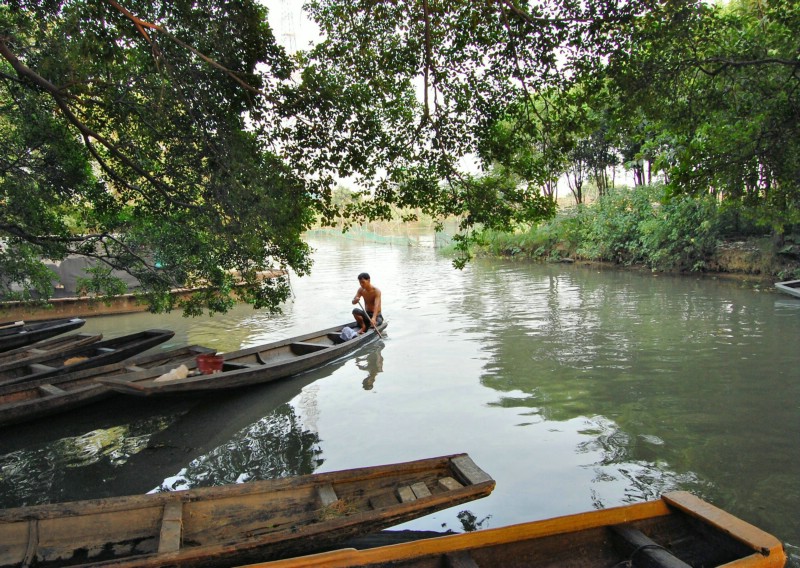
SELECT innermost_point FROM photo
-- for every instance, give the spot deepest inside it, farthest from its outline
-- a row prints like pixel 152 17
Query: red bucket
pixel 209 364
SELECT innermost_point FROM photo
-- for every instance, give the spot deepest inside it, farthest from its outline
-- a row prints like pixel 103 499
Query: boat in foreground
pixel 678 531
pixel 20 333
pixel 57 344
pixel 791 287
pixel 22 402
pixel 252 366
pixel 235 524
pixel 93 355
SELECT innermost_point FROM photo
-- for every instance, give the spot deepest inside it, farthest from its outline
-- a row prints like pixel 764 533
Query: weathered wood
pixel 406 494
pixel 33 542
pixel 49 389
pixel 327 495
pixel 460 559
pixel 171 527
pixel 302 348
pixel 642 550
pixel 383 500
pixel 420 490
pixel 449 484
pixel 470 472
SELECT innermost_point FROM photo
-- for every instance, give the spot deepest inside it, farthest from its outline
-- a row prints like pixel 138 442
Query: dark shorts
pixel 367 317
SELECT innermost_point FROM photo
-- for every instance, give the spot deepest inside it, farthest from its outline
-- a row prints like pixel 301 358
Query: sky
pixel 290 24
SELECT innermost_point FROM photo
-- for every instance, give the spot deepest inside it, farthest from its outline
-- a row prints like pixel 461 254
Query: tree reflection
pixel 274 446
pixel 57 471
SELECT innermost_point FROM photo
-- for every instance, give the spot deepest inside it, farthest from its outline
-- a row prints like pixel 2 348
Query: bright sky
pixel 290 24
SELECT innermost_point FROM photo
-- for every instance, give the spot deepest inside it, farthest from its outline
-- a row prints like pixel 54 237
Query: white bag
pixel 348 333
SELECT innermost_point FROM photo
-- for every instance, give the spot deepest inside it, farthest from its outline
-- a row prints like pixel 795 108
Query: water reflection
pixel 372 363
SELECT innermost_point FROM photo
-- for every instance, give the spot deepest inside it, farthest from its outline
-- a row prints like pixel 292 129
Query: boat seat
pixel 51 390
pixel 105 349
pixel 302 348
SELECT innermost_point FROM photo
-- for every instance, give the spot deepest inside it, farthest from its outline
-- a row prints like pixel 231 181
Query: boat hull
pixel 791 287
pixel 679 530
pixel 19 334
pixel 86 357
pixel 23 402
pixel 252 366
pixel 222 526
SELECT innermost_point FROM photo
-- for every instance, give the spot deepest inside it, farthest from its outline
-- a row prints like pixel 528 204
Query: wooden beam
pixel 470 472
pixel 49 389
pixel 171 527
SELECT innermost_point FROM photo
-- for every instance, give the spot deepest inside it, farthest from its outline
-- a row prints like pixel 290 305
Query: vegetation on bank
pixel 640 226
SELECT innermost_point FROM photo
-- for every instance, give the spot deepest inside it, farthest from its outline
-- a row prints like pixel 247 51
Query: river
pixel 575 387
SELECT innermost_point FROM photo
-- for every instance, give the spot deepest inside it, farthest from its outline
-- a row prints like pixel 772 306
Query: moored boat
pixel 252 366
pixel 94 355
pixel 678 531
pixel 223 526
pixel 53 345
pixel 791 287
pixel 35 398
pixel 19 333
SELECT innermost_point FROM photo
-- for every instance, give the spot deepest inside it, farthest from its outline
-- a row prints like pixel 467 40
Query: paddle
pixel 375 327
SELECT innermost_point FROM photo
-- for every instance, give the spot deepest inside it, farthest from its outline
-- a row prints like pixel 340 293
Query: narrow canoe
pixel 45 396
pixel 678 531
pixel 94 355
pixel 54 345
pixel 234 524
pixel 18 334
pixel 252 366
pixel 791 287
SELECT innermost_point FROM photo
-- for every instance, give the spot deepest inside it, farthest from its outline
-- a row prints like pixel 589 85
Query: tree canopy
pixel 178 142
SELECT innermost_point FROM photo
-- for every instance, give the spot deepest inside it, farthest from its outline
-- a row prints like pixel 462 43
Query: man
pixel 372 302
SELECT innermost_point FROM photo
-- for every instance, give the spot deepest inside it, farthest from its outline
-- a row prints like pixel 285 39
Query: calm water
pixel 574 388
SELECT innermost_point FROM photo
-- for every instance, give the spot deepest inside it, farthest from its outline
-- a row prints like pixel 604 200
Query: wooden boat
pixel 56 344
pixel 94 355
pixel 20 333
pixel 28 400
pixel 223 526
pixel 677 531
pixel 254 365
pixel 791 287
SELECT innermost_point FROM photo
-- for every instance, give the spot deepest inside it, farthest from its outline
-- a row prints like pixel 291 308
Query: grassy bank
pixel 639 227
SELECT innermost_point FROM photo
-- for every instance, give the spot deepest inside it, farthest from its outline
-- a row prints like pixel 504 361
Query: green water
pixel 575 388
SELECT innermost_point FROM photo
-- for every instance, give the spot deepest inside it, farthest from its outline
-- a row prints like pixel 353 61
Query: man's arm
pixel 357 297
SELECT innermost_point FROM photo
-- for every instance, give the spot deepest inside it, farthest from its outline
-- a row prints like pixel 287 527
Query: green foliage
pixel 627 226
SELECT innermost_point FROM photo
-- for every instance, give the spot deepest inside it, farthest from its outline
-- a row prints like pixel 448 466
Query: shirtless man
pixel 372 302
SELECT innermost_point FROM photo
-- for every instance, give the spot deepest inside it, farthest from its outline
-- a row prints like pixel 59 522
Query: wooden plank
pixel 449 484
pixel 471 473
pixel 420 490
pixel 302 347
pixel 643 551
pixel 171 527
pixel 460 559
pixel 327 495
pixel 51 390
pixel 33 542
pixel 406 494
pixel 382 501
pixel 39 368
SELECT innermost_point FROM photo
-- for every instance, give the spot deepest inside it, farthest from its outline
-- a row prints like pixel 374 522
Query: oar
pixel 374 325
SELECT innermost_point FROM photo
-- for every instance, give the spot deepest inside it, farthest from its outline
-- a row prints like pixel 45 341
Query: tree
pixel 140 136
pixel 719 87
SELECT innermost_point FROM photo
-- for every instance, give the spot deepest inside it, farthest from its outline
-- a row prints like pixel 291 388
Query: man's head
pixel 363 276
